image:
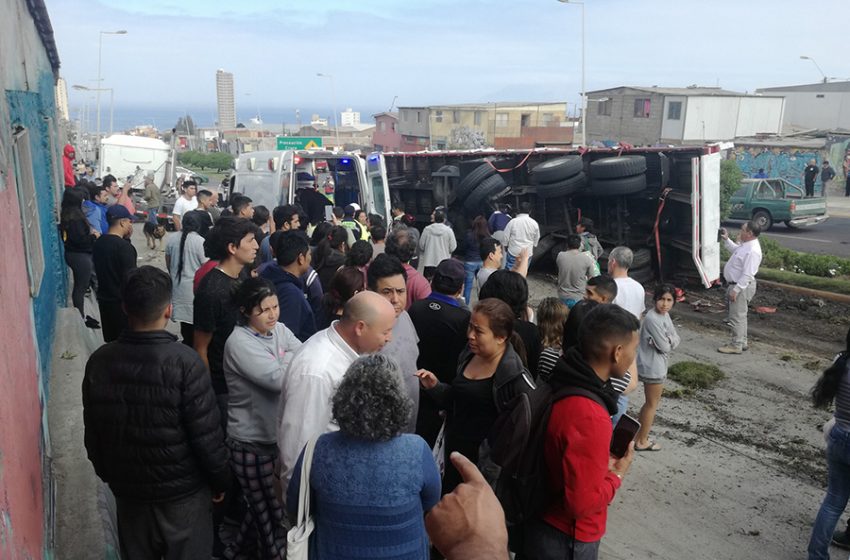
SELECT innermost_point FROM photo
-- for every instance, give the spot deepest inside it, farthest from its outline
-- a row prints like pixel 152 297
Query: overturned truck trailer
pixel 664 203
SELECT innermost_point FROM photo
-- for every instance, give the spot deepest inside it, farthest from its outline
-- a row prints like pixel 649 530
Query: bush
pixel 780 258
pixel 695 375
pixel 730 181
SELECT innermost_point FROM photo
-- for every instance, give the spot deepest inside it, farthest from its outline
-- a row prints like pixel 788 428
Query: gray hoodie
pixel 658 338
pixel 437 243
pixel 254 365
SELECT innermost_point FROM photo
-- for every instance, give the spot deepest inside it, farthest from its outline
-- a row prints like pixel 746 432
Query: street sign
pixel 298 142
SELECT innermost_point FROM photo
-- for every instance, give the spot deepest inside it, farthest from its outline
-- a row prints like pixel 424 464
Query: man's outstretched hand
pixel 469 523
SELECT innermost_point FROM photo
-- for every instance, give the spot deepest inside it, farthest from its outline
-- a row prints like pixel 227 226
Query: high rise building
pixel 62 99
pixel 350 117
pixel 225 99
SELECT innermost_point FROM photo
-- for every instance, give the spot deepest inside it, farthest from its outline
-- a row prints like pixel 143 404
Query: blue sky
pixel 438 51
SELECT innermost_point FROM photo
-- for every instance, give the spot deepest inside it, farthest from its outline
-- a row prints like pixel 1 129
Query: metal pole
pixel 583 90
pixel 97 94
pixel 333 96
pixel 111 108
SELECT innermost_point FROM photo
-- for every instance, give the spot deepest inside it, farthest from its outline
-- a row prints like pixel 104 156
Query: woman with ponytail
pixel 490 373
pixel 184 255
pixel 347 282
pixel 833 386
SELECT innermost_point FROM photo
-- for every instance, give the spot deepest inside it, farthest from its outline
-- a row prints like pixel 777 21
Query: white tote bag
pixel 298 537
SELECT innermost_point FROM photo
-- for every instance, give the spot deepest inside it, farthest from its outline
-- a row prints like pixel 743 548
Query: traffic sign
pixel 298 142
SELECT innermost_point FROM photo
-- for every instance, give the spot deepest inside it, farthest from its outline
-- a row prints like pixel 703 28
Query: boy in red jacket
pixel 581 470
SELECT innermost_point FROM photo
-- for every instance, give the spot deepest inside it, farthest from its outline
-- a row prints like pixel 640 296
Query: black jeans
pixel 112 319
pixel 544 542
pixel 187 333
pixel 81 268
pixel 178 530
pixel 847 186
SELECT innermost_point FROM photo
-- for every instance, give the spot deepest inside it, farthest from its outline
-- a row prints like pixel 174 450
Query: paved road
pixel 829 238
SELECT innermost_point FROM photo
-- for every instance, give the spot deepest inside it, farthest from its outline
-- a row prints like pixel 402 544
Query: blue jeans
pixel 509 260
pixel 471 268
pixel 837 493
pixel 152 215
pixel 622 407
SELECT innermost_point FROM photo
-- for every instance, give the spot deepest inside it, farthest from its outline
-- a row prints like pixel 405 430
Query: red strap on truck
pixel 662 200
pixel 520 164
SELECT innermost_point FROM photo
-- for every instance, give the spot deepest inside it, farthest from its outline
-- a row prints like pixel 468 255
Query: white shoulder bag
pixel 298 537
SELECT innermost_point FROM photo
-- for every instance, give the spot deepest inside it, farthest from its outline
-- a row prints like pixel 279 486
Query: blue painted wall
pixel 29 109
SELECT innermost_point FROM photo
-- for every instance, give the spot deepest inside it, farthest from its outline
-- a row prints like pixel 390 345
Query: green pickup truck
pixel 767 201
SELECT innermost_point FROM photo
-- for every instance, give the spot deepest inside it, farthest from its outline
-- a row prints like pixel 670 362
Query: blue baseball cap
pixel 118 212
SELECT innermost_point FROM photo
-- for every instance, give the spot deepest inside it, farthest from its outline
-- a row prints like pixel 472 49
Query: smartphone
pixel 624 432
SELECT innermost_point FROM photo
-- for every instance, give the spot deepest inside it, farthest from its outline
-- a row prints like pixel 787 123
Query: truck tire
pixel 643 275
pixel 565 187
pixel 543 250
pixel 763 219
pixel 616 167
pixel 489 187
pixel 617 187
pixel 475 177
pixel 643 258
pixel 555 170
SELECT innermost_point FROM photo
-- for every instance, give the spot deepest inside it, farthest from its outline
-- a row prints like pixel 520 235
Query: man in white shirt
pixel 740 272
pixel 630 294
pixel 186 202
pixel 521 233
pixel 632 297
pixel 319 366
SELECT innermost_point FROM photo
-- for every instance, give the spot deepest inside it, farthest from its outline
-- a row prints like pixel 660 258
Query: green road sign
pixel 298 142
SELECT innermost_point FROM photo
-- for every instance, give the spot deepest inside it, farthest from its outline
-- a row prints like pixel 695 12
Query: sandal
pixel 653 446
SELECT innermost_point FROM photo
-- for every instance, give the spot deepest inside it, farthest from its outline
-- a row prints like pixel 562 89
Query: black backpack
pixel 516 446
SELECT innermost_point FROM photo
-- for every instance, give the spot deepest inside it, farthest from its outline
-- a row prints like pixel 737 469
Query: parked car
pixel 767 201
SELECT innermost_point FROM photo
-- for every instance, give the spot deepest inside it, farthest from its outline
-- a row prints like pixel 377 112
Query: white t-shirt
pixel 181 205
pixel 630 296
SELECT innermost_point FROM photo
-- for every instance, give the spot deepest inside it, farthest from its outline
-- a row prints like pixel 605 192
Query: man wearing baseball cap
pixel 114 256
pixel 441 322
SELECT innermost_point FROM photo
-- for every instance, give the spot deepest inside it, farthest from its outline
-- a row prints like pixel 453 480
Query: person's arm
pixel 469 523
pixel 201 343
pixel 129 258
pixel 589 485
pixel 199 416
pixel 535 234
pixel 592 269
pixel 674 335
pixel 306 414
pixel 176 219
pixel 633 378
pixel 422 238
pixel 250 359
pixel 430 493
pixel 204 315
pixel 521 263
pixel 440 392
pixel 452 243
pixel 653 327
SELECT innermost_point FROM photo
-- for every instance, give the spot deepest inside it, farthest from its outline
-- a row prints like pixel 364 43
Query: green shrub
pixel 780 258
pixel 695 375
pixel 730 181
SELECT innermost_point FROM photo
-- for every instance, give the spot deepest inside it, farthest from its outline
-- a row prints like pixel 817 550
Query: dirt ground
pixel 742 470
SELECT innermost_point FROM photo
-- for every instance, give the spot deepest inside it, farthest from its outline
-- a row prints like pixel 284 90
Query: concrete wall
pixel 621 125
pixel 28 97
pixel 759 115
pixel 413 121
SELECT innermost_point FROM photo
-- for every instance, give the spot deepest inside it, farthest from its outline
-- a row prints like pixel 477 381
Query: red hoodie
pixel 576 449
pixel 68 165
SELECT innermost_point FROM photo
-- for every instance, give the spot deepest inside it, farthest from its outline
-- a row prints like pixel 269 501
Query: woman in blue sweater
pixel 371 484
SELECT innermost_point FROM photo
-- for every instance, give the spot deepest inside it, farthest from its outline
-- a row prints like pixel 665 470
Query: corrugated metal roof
pixel 834 87
pixel 685 91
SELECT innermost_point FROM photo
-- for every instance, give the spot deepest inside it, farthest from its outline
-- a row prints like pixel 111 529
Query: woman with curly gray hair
pixel 371 483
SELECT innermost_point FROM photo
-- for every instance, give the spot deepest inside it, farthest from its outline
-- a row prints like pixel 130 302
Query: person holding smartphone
pixel 577 444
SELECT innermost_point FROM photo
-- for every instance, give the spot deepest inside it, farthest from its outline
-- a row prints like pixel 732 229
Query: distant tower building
pixel 62 99
pixel 349 117
pixel 226 100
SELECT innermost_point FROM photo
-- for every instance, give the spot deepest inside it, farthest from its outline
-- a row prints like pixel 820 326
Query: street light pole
pixel 333 100
pixel 582 121
pixel 99 79
pixel 804 57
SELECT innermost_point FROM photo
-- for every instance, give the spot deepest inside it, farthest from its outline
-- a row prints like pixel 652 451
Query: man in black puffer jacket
pixel 152 429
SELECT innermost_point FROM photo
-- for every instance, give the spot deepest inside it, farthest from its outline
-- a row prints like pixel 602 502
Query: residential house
pixel 823 106
pixel 653 115
pixel 33 280
pixel 469 125
pixel 386 137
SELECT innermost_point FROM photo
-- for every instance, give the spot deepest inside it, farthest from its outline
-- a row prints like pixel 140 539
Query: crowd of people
pixel 321 339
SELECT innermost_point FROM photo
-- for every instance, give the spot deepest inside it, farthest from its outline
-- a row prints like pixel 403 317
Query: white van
pixel 272 178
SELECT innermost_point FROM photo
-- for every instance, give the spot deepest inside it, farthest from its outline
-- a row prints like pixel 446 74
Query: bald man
pixel 318 367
